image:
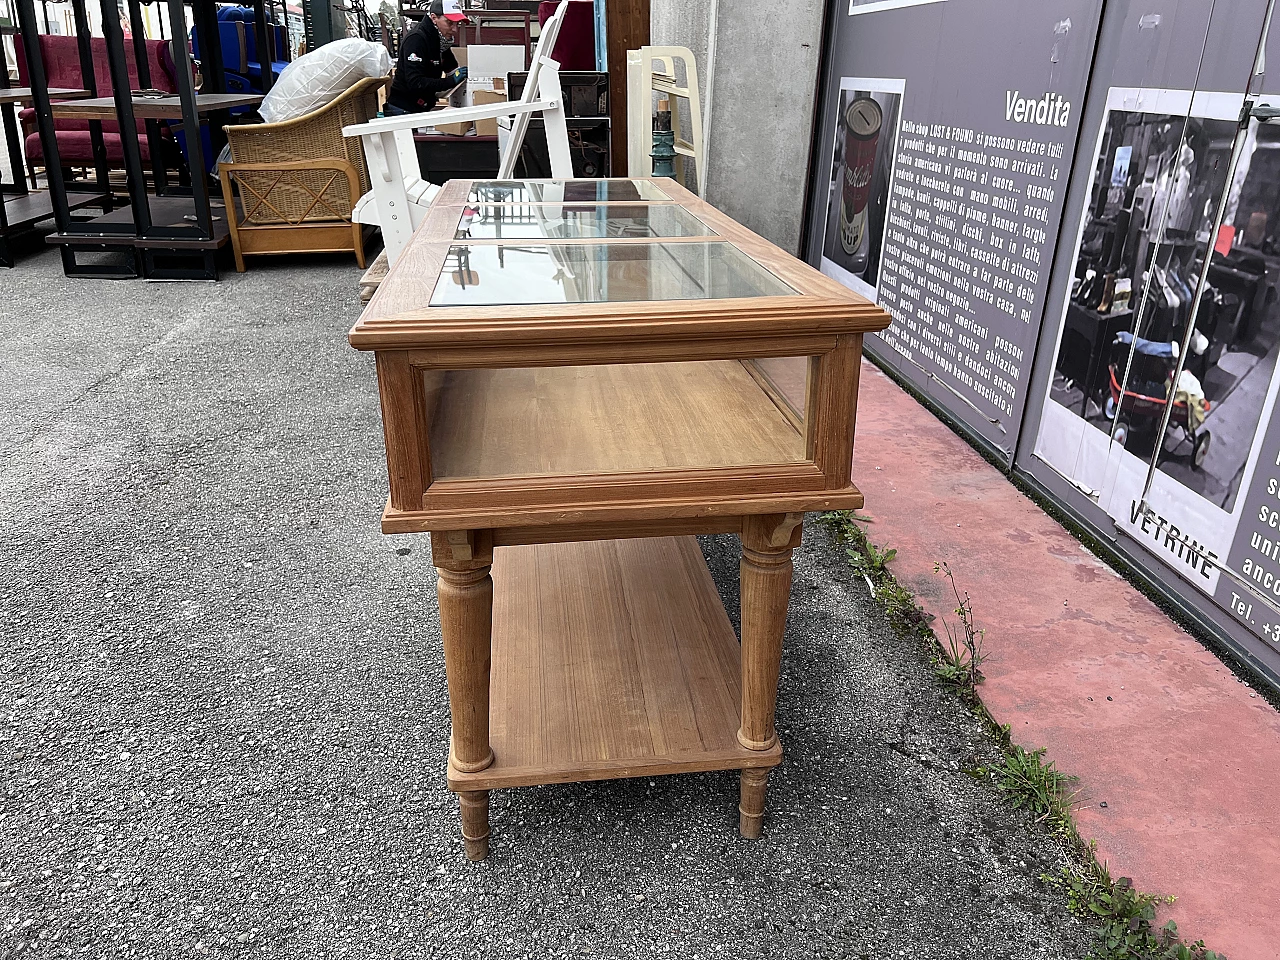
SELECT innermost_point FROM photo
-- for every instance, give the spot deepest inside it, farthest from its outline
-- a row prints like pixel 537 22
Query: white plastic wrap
pixel 319 77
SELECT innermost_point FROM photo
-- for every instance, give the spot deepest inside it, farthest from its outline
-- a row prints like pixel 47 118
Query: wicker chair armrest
pixel 248 131
pixel 323 163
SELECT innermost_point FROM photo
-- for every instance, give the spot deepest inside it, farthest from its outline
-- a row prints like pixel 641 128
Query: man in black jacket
pixel 426 66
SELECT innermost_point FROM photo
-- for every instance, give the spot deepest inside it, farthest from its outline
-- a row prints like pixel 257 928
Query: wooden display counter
pixel 575 377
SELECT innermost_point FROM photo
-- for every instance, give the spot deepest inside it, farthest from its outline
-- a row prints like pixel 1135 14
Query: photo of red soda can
pixel 862 122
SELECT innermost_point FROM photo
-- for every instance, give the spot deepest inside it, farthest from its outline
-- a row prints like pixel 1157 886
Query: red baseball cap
pixel 448 9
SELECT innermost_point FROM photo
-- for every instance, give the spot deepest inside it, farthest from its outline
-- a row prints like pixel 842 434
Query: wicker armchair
pixel 298 180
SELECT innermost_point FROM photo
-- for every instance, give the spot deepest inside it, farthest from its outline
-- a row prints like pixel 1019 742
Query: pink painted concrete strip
pixel 1185 757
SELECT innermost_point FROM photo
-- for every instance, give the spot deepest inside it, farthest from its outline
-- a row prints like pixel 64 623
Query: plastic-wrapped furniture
pixel 322 75
pixel 61 56
pixel 299 180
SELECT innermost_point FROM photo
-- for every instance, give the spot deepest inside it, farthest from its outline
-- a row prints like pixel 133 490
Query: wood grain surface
pixel 23 94
pixel 626 28
pixel 611 658
pixel 715 503
pixel 608 418
pixel 152 108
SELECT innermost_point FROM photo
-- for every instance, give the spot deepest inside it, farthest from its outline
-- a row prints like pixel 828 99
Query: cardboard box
pixel 488 128
pixel 457 97
pixel 457 129
pixel 472 94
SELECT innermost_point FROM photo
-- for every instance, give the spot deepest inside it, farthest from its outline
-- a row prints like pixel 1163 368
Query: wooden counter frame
pixel 420 503
pixel 763 503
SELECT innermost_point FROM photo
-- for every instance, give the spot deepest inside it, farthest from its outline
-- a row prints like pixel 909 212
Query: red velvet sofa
pixel 62 68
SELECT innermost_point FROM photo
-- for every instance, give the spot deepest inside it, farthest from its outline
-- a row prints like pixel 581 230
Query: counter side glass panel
pixel 610 418
pixel 490 221
pixel 491 275
pixel 565 191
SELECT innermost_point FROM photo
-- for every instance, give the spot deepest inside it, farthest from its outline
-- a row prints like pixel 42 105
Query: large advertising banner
pixel 1079 242
pixel 943 171
pixel 1140 370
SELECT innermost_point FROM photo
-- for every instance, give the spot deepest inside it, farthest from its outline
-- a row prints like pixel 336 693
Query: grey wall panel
pixel 761 103
pixel 1202 519
pixel 928 102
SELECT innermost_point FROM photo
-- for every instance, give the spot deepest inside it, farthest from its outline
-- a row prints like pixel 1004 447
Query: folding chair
pixel 399 197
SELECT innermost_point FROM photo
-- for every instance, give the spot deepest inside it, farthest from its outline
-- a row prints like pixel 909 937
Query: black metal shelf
pixel 177 231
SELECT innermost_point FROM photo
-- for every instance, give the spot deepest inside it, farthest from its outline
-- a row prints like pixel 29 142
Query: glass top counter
pixel 579 354
pixel 477 275
pixel 565 191
pixel 487 221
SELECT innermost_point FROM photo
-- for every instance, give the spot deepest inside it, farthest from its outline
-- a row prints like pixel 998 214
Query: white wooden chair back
pixel 520 123
pixel 546 46
pixel 399 197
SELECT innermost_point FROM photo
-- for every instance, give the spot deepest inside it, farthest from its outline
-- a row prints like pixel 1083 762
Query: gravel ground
pixel 223 717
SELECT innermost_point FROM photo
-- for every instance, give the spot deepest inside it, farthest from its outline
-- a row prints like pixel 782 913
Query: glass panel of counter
pixel 475 275
pixel 566 191
pixel 496 221
pixel 616 418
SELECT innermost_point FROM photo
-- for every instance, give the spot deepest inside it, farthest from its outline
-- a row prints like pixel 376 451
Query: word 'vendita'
pixel 1050 110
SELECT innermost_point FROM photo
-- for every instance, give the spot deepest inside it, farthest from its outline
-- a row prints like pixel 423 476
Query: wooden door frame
pixel 626 28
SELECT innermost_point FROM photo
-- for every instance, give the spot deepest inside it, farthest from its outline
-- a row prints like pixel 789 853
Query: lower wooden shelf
pixel 611 658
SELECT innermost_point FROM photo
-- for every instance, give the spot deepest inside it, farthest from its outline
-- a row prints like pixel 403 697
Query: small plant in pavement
pixel 871 563
pixel 960 655
pixel 1126 918
pixel 1029 783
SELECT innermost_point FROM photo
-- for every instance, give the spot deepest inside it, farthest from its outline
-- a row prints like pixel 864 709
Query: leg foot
pixel 751 803
pixel 474 806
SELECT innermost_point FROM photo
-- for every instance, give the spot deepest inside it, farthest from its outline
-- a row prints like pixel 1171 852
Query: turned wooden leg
pixel 767 543
pixel 466 621
pixel 465 590
pixel 765 574
pixel 751 802
pixel 474 806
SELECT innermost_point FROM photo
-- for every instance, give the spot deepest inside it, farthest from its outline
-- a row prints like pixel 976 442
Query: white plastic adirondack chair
pixel 399 197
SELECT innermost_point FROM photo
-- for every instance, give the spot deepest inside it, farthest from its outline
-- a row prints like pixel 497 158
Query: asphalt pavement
pixel 223 715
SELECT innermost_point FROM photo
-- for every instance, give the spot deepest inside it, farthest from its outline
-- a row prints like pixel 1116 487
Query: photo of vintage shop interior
pixel 1157 172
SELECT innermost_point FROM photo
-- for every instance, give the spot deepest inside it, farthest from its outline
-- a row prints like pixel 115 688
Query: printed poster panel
pixel 861 171
pixel 1155 165
pixel 942 174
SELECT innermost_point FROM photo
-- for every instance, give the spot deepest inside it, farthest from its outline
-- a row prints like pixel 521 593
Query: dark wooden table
pixel 153 108
pixel 23 94
pixel 21 214
pixel 22 209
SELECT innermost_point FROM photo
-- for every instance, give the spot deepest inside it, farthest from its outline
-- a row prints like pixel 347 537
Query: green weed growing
pixel 960 655
pixel 1031 784
pixel 1125 918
